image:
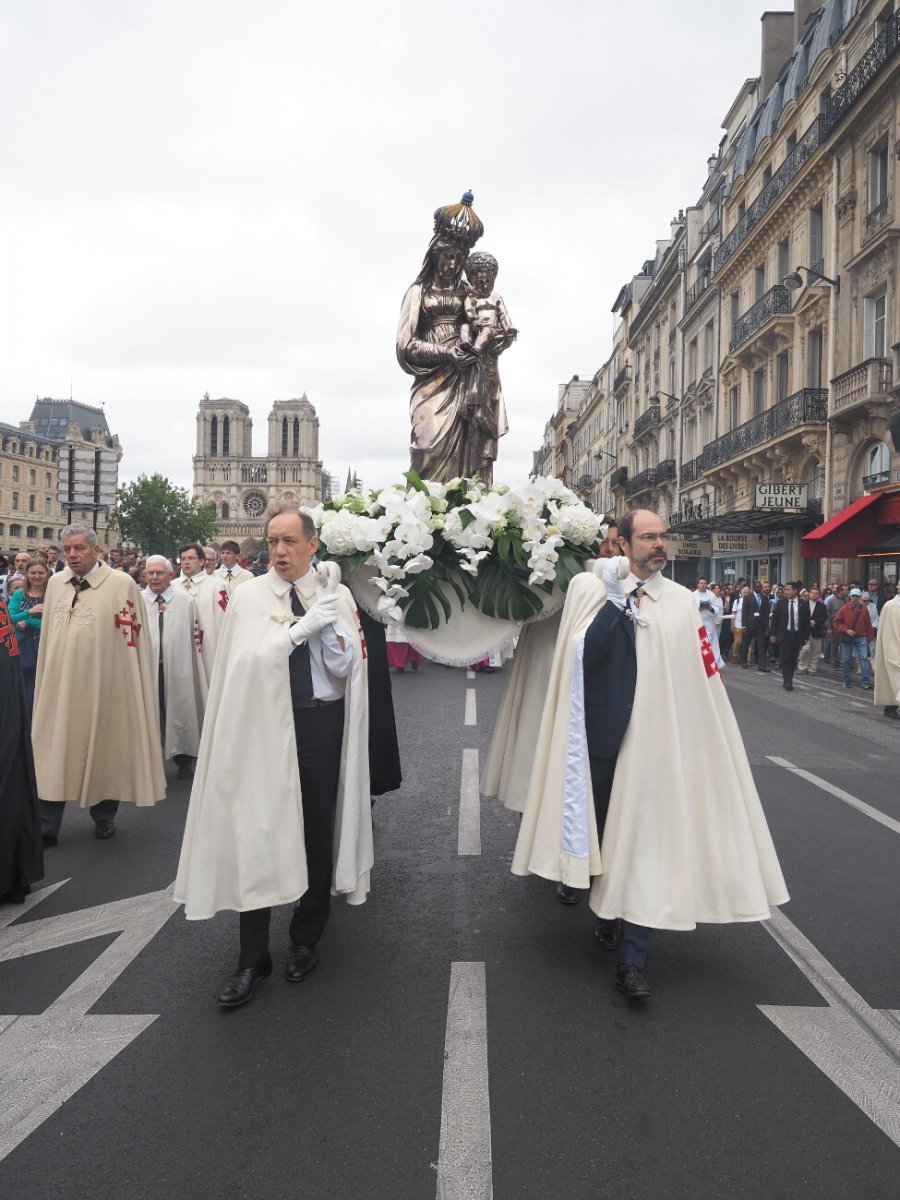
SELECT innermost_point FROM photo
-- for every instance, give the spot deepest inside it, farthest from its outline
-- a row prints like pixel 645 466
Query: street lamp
pixel 654 399
pixel 600 451
pixel 793 281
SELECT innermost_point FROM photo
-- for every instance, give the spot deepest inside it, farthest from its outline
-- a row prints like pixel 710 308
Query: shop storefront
pixel 862 541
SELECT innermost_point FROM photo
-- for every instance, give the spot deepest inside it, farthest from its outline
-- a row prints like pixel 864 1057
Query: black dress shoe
pixel 608 933
pixel 890 710
pixel 238 988
pixel 788 687
pixel 49 839
pixel 104 830
pixel 302 961
pixel 630 981
pixel 566 894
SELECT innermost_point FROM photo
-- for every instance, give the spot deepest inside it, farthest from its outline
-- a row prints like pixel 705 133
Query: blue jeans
pixel 860 647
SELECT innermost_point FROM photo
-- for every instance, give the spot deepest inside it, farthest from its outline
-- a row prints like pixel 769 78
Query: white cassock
pixel 233 576
pixel 243 843
pixel 887 655
pixel 712 619
pixel 686 839
pixel 184 677
pixel 211 597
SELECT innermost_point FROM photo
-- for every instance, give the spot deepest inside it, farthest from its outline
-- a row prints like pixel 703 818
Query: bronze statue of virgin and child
pixel 453 328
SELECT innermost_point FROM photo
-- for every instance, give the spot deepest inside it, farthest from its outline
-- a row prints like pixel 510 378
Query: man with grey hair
pixel 174 634
pixel 95 730
pixel 209 559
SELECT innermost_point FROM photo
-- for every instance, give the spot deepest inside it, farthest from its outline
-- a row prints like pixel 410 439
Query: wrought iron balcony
pixel 874 217
pixel 619 477
pixel 712 224
pixel 646 420
pixel 869 380
pixel 690 472
pixel 795 161
pixel 807 407
pixel 883 48
pixel 776 302
pixel 876 480
pixel 666 470
pixel 642 482
pixel 621 377
pixel 695 292
pixel 585 481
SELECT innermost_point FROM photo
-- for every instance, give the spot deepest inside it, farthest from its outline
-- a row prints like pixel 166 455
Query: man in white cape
pixel 887 658
pixel 95 731
pixel 172 624
pixel 210 595
pixel 641 787
pixel 711 609
pixel 231 570
pixel 280 811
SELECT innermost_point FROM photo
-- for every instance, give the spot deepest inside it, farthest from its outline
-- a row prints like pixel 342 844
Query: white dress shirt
pixel 329 661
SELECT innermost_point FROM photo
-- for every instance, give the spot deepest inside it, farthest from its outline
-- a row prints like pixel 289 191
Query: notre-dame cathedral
pixel 227 475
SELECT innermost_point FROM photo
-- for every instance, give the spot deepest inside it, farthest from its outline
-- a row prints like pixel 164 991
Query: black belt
pixel 316 703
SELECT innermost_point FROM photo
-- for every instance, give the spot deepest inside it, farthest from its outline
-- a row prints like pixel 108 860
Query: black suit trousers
pixel 788 653
pixel 635 944
pixel 319 733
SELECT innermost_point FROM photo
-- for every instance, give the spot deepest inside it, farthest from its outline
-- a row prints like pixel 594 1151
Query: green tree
pixel 156 516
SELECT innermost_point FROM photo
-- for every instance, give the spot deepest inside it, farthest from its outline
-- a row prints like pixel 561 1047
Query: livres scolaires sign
pixel 780 495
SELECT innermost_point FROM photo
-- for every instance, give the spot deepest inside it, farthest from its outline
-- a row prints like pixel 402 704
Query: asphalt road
pixel 337 1088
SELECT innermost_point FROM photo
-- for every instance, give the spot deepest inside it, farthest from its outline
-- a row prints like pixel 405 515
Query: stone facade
pixel 241 486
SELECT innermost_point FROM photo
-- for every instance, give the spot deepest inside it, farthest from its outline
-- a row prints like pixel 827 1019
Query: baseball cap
pixel 855 592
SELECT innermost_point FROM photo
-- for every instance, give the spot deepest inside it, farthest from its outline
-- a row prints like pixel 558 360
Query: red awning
pixel 842 536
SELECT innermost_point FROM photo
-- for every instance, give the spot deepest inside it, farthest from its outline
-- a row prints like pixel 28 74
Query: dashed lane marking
pixel 853 801
pixel 471 717
pixel 469 838
pixel 464 1161
pixel 470 674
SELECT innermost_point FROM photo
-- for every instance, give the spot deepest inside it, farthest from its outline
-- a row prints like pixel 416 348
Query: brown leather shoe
pixel 302 961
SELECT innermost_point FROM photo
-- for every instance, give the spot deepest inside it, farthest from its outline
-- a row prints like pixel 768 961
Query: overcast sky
pixel 232 198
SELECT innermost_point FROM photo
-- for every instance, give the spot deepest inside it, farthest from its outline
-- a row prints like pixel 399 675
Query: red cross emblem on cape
pixel 126 620
pixel 198 637
pixel 223 599
pixel 707 654
pixel 7 633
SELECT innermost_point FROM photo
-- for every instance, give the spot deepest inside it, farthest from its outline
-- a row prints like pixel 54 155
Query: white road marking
pixel 853 801
pixel 856 1046
pixel 470 674
pixel 471 717
pixel 469 838
pixel 45 1059
pixel 464 1161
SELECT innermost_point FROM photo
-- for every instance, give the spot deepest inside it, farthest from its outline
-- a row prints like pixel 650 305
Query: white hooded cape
pixel 183 673
pixel 887 655
pixel 211 597
pixel 686 840
pixel 243 844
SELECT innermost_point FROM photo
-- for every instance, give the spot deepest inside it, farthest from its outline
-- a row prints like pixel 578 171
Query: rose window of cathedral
pixel 254 504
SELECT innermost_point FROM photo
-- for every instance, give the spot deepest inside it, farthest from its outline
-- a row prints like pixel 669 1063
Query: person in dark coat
pixel 385 770
pixel 21 851
pixel 789 630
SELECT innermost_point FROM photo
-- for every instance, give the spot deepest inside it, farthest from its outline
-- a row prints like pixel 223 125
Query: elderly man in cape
pixel 887 659
pixel 95 730
pixel 641 786
pixel 174 636
pixel 280 810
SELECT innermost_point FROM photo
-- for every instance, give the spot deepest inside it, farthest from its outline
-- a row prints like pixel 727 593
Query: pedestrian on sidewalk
pixel 853 627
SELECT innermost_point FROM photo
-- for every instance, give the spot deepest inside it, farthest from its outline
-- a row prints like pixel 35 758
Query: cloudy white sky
pixel 231 197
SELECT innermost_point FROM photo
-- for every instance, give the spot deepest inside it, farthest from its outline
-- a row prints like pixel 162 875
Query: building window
pixel 814 480
pixel 759 282
pixel 47 479
pixel 784 259
pixel 15 500
pixel 32 477
pixel 878 182
pixel 816 239
pixel 284 437
pixel 46 506
pixel 814 359
pixel 877 465
pixel 692 361
pixel 31 531
pixel 48 533
pixel 790 144
pixel 15 531
pixel 876 325
pixel 214 437
pixel 735 309
pixel 759 391
pixel 15 474
pixel 224 512
pixel 31 503
pixel 781 376
pixel 734 407
pixel 226 437
pixel 296 437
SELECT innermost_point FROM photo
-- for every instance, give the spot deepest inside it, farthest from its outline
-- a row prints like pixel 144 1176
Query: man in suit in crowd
pixel 811 649
pixel 755 624
pixel 789 630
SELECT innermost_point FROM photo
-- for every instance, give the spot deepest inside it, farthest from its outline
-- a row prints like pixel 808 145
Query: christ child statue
pixel 487 327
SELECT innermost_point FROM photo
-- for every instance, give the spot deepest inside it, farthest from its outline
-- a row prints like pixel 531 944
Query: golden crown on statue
pixel 458 222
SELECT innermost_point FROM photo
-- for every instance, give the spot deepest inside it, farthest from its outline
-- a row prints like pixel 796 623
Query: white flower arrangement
pixel 491 546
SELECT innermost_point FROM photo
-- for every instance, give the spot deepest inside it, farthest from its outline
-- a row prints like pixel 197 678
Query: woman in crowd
pixel 26 609
pixel 21 853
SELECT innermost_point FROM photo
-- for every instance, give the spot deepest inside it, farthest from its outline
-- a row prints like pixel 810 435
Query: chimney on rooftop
pixel 777 46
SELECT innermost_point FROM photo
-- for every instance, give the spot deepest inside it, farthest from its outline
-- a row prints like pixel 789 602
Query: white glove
pixel 329 574
pixel 325 612
pixel 612 572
